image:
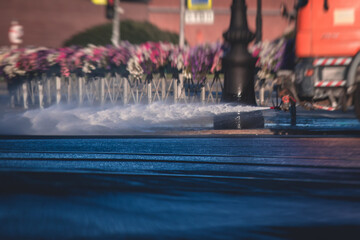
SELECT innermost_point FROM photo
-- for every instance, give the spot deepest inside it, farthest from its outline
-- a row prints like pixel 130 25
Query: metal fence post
pixel 80 81
pixel 58 90
pixel 149 92
pixel 48 90
pixel 175 90
pixel 180 92
pixel 163 89
pixel 69 90
pixel 126 91
pixel 25 95
pixel 203 94
pixel 32 92
pixel 41 95
pixel 102 91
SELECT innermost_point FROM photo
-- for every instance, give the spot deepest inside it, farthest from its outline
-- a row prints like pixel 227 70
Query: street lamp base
pixel 239 120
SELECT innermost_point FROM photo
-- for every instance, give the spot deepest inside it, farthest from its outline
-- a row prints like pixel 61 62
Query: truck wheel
pixel 357 101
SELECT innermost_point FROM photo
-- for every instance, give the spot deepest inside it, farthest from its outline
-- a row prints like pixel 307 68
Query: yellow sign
pixel 199 4
pixel 99 2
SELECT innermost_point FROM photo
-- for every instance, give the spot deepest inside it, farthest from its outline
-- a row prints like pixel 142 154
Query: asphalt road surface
pixel 251 187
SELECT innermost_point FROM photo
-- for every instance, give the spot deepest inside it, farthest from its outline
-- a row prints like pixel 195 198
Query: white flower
pixel 51 58
pixel 134 67
pixel 87 68
pixel 180 62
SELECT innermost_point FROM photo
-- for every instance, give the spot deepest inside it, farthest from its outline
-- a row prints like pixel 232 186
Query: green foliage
pixel 134 32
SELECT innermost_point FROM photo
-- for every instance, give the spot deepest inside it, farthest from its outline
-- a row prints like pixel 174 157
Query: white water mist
pixel 114 120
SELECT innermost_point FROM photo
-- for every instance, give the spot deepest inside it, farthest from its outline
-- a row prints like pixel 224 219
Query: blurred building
pixel 51 22
pixel 165 14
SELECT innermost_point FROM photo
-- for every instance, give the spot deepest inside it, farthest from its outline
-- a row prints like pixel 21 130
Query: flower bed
pixel 148 58
pixel 270 57
pixel 24 64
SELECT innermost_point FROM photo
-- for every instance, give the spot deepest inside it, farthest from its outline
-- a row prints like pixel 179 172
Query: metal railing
pixel 45 91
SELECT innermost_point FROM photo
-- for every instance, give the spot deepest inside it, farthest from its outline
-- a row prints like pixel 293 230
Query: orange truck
pixel 327 49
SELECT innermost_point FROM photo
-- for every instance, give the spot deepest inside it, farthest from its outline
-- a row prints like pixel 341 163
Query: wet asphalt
pixel 232 187
pixel 297 181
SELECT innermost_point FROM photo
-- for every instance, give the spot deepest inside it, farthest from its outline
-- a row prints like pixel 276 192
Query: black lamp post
pixel 238 64
pixel 239 72
pixel 258 34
